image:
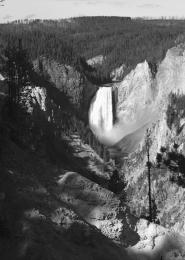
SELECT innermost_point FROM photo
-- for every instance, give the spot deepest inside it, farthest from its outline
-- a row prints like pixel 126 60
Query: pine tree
pixel 18 70
pixel 149 165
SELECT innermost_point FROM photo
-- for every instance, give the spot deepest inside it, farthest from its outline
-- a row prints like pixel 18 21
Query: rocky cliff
pixel 69 81
pixel 165 90
pixel 138 89
pixel 60 205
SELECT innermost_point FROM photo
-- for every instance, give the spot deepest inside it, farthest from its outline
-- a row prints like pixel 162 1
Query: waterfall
pixel 101 111
pixel 124 135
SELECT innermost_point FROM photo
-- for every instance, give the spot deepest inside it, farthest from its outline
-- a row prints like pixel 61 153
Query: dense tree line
pixel 18 70
pixel 119 40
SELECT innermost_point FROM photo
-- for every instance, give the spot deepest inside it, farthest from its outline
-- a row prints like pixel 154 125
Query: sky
pixel 55 9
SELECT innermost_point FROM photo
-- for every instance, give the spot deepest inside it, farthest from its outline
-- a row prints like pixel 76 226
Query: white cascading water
pixel 124 136
pixel 100 112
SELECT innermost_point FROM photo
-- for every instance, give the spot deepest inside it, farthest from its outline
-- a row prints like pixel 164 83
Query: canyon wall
pixel 141 90
pixel 167 92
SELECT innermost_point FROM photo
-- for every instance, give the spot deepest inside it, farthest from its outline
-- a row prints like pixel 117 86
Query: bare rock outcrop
pixel 70 81
pixel 167 92
pixel 157 242
pixel 98 206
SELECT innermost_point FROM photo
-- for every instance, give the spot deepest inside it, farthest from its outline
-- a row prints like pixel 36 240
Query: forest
pixel 120 40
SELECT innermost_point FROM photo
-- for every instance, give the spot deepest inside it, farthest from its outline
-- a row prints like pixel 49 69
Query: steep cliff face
pixel 71 82
pixel 135 91
pixel 139 88
pixel 170 82
pixel 167 92
pixel 64 77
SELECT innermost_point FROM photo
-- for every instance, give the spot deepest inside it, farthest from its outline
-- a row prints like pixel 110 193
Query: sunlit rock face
pixel 100 112
pixel 118 73
pixel 157 242
pixel 33 96
pixel 135 91
pixel 170 76
pixel 168 93
pixel 139 91
pixel 96 60
pixel 169 80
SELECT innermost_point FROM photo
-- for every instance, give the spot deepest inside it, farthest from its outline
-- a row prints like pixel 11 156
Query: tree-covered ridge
pixel 119 39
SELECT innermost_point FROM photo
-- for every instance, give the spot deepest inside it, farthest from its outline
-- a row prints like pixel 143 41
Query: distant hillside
pixel 119 39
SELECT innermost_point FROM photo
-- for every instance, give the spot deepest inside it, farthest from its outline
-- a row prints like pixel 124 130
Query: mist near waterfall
pixel 125 135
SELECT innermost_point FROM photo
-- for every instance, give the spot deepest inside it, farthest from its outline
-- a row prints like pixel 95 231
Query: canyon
pixel 64 208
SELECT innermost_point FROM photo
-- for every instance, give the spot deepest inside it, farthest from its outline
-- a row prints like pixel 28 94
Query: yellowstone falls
pixel 124 136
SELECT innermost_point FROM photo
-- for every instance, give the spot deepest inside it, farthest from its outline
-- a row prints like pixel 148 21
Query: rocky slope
pixel 50 212
pixel 166 91
pixel 34 222
pixel 157 242
pixel 99 207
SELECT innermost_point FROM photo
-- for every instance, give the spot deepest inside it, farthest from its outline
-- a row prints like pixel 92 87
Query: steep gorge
pixel 76 198
pixel 166 92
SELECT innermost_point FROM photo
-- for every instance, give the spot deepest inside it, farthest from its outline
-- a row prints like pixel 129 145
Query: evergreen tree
pixel 18 70
pixel 149 165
